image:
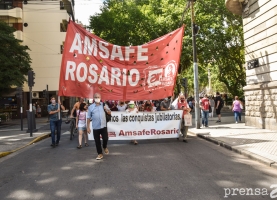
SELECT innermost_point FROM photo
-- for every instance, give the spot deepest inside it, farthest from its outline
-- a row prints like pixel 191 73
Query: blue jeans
pixel 53 126
pixel 237 115
pixel 205 115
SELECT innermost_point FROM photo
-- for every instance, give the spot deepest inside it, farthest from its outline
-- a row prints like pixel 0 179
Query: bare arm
pixel 88 125
pixel 77 118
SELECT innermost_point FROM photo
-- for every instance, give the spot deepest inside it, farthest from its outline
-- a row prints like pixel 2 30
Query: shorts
pixel 84 128
pixel 217 111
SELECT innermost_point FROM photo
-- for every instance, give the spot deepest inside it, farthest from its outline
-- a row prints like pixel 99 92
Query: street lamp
pixel 209 77
pixel 195 30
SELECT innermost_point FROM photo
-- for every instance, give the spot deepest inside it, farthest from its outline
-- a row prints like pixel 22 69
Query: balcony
pixel 13 12
pixel 18 35
pixel 68 5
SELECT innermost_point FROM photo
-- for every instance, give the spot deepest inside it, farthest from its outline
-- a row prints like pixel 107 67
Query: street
pixel 154 169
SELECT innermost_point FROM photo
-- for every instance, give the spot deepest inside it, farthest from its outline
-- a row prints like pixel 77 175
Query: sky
pixel 86 8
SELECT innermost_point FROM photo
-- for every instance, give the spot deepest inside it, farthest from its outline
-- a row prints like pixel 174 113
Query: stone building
pixel 260 40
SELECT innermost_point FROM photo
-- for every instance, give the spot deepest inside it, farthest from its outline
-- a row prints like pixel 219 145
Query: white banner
pixel 144 125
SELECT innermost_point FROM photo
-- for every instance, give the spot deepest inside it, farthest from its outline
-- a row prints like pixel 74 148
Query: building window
pixel 61 49
pixel 61 5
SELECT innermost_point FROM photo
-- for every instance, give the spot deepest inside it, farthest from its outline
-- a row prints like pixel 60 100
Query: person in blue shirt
pixel 55 123
pixel 97 116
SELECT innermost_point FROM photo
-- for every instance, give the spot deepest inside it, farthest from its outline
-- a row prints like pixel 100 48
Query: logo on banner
pixel 111 134
pixel 157 77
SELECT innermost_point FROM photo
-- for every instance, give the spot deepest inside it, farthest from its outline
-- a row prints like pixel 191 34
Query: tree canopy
pixel 14 59
pixel 219 42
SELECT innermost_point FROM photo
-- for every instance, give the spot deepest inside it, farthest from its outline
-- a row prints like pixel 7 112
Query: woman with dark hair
pixel 81 124
pixel 148 106
pixel 236 108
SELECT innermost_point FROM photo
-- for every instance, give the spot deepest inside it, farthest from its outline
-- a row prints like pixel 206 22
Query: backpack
pixel 221 104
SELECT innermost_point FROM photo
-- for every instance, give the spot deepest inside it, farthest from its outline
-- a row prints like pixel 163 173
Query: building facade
pixel 260 40
pixel 41 25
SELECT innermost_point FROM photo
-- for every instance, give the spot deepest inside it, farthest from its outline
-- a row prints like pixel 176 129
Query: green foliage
pixel 14 59
pixel 219 42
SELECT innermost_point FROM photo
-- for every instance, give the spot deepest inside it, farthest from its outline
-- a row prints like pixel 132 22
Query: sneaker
pixel 106 150
pixel 53 145
pixel 184 140
pixel 206 125
pixel 99 157
pixel 57 144
pixel 203 126
pixel 236 122
pixel 218 121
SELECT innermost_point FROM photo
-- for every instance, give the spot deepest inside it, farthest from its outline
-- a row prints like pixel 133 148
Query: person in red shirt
pixel 148 106
pixel 183 105
pixel 204 104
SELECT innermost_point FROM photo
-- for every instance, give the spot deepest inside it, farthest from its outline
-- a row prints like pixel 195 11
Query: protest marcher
pixel 204 104
pixel 148 106
pixel 81 125
pixel 38 111
pixel 211 101
pixel 236 108
pixel 165 104
pixel 190 104
pixel 157 104
pixel 183 105
pixel 132 109
pixel 113 106
pixel 121 106
pixel 97 116
pixel 55 123
pixel 76 107
pixel 218 106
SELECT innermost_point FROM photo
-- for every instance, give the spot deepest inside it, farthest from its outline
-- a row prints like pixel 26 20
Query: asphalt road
pixel 155 169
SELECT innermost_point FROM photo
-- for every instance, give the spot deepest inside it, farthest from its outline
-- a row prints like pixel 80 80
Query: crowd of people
pixel 95 112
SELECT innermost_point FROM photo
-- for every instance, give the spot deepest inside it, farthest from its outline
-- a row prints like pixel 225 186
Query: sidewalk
pixel 257 144
pixel 13 139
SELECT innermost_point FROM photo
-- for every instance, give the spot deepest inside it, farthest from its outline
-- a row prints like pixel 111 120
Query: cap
pixel 131 102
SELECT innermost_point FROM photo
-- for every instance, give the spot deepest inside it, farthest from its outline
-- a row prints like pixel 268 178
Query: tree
pixel 14 59
pixel 219 42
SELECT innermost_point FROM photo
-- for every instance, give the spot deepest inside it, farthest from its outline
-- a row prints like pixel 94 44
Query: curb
pixel 246 153
pixel 37 139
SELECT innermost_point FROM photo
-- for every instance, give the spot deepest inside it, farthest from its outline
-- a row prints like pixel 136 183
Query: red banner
pixel 91 65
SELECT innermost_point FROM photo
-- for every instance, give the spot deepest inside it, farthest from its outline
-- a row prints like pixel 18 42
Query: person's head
pixel 131 104
pixel 81 99
pixel 166 99
pixel 217 93
pixel 82 107
pixel 147 102
pixel 53 100
pixel 236 98
pixel 206 96
pixel 38 106
pixel 182 98
pixel 97 98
